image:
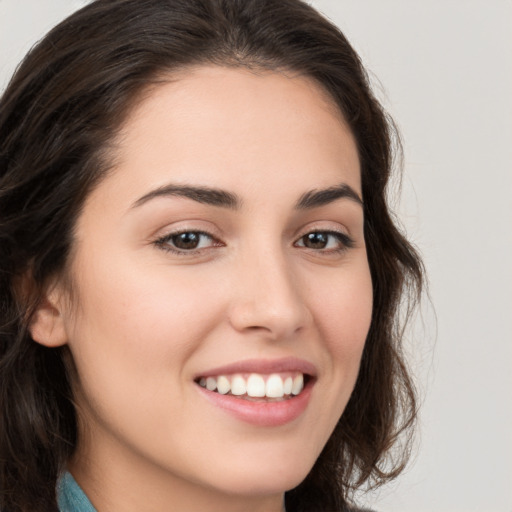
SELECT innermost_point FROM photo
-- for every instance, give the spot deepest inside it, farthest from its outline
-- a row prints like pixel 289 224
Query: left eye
pixel 321 240
pixel 187 240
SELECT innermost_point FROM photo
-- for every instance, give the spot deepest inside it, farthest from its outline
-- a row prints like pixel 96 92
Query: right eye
pixel 184 242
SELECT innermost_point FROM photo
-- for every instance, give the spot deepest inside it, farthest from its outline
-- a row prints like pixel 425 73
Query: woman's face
pixel 226 248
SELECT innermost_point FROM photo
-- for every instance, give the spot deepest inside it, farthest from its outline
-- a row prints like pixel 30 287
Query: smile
pixel 256 386
pixel 265 393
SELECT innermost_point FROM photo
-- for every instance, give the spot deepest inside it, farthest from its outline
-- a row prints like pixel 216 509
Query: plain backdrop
pixel 443 68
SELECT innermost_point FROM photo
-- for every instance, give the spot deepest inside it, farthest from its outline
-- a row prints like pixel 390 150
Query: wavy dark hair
pixel 65 104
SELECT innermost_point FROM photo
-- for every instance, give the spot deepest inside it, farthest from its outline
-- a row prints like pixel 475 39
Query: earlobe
pixel 47 326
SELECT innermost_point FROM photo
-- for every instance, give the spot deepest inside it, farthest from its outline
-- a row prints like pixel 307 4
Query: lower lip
pixel 262 414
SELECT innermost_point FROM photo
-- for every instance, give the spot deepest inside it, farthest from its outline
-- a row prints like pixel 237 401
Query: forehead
pixel 236 129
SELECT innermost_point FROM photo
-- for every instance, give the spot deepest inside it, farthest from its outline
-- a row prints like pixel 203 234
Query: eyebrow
pixel 223 198
pixel 205 195
pixel 322 197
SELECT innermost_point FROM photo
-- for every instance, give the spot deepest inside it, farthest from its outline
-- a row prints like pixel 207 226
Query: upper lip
pixel 264 366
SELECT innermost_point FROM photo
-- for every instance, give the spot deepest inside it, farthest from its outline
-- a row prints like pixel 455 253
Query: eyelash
pixel 163 243
pixel 342 238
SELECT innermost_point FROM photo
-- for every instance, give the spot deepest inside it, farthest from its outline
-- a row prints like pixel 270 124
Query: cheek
pixel 345 315
pixel 133 333
pixel 136 324
pixel 348 311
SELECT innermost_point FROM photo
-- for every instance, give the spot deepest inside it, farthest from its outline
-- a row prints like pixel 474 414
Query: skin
pixel 143 321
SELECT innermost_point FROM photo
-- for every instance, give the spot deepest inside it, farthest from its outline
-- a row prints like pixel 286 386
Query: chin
pixel 264 479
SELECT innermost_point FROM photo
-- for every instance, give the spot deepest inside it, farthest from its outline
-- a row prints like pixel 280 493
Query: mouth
pixel 257 387
pixel 264 393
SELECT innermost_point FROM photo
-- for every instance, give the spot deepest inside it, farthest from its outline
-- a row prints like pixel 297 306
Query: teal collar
pixel 70 497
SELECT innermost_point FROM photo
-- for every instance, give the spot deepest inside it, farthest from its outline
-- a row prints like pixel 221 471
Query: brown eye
pixel 186 241
pixel 316 240
pixel 325 240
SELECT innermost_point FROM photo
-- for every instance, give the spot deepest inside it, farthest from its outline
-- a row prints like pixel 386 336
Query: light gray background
pixel 444 71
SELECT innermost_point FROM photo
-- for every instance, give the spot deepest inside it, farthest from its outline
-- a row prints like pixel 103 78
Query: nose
pixel 267 297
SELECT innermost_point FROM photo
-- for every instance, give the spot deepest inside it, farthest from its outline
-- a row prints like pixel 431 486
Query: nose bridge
pixel 267 294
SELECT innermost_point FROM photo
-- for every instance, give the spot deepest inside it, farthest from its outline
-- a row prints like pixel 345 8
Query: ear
pixel 47 326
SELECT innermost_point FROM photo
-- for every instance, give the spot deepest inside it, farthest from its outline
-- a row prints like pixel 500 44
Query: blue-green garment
pixel 70 497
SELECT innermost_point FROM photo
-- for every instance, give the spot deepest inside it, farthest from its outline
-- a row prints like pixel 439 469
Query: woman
pixel 199 272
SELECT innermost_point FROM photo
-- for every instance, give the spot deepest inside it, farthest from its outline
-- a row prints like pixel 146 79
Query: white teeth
pixel 211 384
pixel 288 384
pixel 238 385
pixel 223 385
pixel 298 384
pixel 255 386
pixel 274 387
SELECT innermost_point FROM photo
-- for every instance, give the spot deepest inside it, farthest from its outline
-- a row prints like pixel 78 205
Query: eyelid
pixel 324 227
pixel 346 241
pixel 162 241
pixel 331 226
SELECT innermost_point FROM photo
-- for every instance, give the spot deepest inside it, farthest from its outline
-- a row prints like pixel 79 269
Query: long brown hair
pixel 64 105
